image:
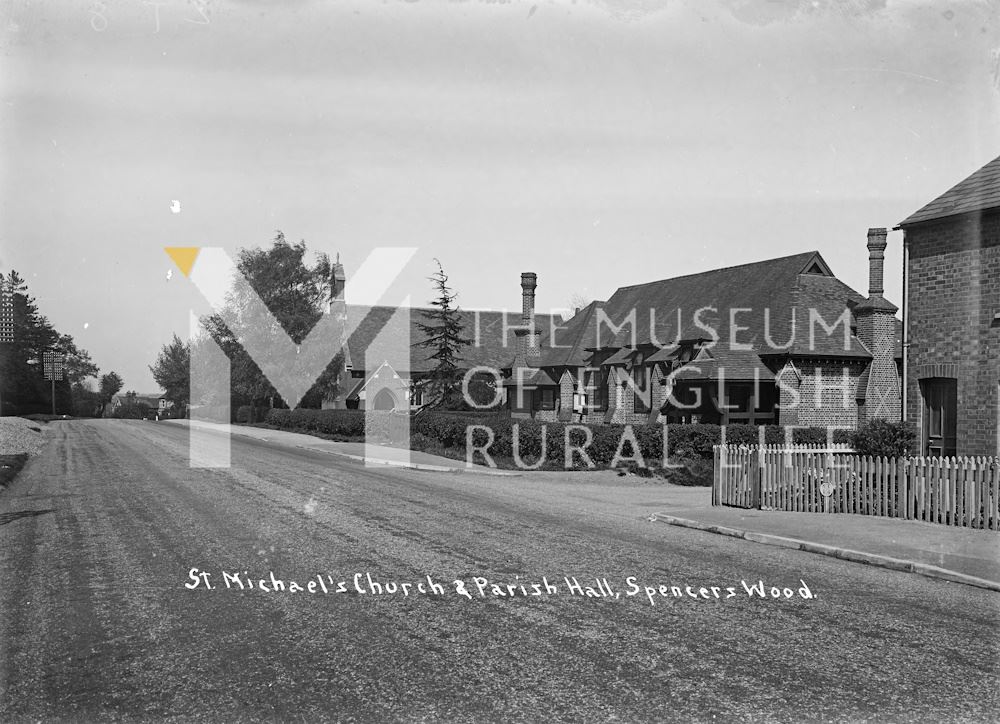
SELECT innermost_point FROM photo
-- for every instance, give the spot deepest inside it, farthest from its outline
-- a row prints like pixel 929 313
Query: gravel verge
pixel 18 435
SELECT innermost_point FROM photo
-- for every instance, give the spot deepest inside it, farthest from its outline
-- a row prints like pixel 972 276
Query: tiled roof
pixel 571 339
pixel 620 357
pixel 721 363
pixel 978 192
pixel 664 354
pixel 484 328
pixel 532 377
pixel 768 296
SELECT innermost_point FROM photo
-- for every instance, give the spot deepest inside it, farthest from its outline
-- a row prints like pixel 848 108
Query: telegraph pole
pixel 52 366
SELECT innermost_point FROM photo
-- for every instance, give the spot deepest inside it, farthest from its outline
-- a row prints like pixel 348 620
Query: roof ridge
pixel 978 191
pixel 460 309
pixel 725 268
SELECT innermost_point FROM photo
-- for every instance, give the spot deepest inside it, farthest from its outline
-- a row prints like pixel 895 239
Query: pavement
pixel 369 453
pixel 959 555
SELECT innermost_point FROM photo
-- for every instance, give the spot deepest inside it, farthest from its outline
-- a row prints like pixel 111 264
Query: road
pixel 100 617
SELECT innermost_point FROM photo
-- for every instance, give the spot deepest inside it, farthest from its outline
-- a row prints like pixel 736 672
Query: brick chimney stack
pixel 529 280
pixel 876 320
pixel 528 349
pixel 533 348
pixel 876 261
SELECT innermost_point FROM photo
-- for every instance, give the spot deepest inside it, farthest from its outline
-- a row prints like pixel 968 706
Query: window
pixel 597 387
pixel 640 388
pixel 548 399
pixel 940 418
pixel 641 391
pixel 749 403
pixel 739 398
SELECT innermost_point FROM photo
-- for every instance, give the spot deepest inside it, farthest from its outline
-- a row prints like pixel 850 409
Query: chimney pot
pixel 876 260
pixel 530 337
pixel 876 237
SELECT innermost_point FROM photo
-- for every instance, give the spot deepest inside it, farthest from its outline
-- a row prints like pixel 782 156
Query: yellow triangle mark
pixel 183 257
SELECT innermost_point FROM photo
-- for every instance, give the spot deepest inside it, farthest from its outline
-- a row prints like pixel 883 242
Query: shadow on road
pixel 6 518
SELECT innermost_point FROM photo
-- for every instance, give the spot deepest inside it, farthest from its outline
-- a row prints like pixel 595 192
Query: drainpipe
pixel 906 334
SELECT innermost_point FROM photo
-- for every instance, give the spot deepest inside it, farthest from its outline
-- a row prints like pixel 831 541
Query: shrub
pixel 279 418
pixel 882 438
pixel 377 425
pixel 693 441
pixel 449 429
pixel 694 472
pixel 341 423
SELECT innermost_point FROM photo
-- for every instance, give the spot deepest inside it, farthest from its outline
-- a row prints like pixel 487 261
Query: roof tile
pixel 978 192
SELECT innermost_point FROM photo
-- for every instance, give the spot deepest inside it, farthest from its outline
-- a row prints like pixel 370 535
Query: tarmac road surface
pixel 114 604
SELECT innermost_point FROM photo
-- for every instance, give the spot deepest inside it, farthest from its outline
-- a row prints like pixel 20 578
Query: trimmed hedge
pixel 247 413
pixel 448 430
pixel 346 423
pixel 685 441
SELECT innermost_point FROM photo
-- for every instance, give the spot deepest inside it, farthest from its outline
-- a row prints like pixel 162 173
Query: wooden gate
pixel 737 477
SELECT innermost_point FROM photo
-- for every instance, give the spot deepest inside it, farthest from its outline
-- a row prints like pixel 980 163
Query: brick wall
pixel 954 292
pixel 827 396
pixel 788 411
pixel 621 397
pixel 883 395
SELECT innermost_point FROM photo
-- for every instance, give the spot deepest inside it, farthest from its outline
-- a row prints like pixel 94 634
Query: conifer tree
pixel 442 334
pixel 22 386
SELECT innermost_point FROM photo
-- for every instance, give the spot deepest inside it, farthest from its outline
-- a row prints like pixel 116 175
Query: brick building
pixel 779 341
pixel 384 365
pixel 952 317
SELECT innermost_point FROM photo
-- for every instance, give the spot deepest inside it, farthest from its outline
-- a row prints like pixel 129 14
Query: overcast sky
pixel 597 144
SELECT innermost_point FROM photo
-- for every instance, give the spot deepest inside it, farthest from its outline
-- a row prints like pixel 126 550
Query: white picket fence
pixel 814 479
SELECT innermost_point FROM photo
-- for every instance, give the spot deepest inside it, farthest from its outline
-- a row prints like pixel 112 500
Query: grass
pixel 10 466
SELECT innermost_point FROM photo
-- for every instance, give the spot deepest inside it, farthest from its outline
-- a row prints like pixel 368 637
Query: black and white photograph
pixel 500 361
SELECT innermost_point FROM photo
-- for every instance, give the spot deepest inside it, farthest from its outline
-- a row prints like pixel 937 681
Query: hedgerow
pixel 450 432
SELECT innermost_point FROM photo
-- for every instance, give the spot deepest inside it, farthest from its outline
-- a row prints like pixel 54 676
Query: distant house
pixel 778 341
pixel 154 403
pixel 952 317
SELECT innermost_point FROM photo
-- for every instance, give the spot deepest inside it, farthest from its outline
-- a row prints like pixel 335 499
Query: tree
pixel 443 335
pixel 172 370
pixel 77 366
pixel 111 383
pixel 578 301
pixel 22 385
pixel 297 296
pixel 86 401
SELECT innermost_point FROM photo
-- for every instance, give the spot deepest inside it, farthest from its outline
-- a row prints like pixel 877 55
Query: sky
pixel 598 144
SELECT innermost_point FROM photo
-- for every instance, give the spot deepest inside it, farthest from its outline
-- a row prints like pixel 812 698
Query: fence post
pixel 716 474
pixel 994 504
pixel 756 481
pixel 902 495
